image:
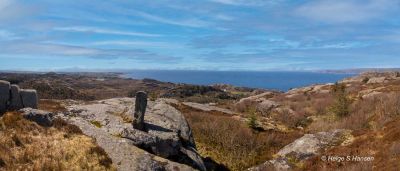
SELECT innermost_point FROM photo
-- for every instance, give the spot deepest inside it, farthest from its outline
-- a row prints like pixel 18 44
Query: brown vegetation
pixel 96 86
pixel 24 145
pixel 383 145
pixel 231 142
pixel 51 106
pixel 367 114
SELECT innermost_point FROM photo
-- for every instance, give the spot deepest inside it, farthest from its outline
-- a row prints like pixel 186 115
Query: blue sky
pixel 199 35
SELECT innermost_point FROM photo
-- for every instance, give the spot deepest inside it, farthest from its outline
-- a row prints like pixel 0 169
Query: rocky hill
pixel 219 127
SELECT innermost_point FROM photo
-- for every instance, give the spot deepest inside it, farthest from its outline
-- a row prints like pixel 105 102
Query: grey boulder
pixel 29 98
pixel 15 101
pixel 167 134
pixel 304 148
pixel 41 117
pixel 4 95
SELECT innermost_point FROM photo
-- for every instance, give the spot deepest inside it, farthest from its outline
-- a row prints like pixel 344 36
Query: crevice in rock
pixel 157 145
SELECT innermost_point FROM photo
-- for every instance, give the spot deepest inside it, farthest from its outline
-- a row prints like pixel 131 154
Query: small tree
pixel 342 103
pixel 252 122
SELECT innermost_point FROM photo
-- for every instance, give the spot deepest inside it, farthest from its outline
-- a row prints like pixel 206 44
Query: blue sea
pixel 276 80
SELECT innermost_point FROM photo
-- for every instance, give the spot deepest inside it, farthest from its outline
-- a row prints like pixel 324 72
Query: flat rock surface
pixel 208 108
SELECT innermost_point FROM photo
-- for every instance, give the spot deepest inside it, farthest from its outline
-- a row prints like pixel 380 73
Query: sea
pixel 275 80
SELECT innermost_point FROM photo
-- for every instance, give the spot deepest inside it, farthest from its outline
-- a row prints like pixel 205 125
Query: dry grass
pixel 26 146
pixel 51 106
pixel 364 114
pixel 383 145
pixel 230 142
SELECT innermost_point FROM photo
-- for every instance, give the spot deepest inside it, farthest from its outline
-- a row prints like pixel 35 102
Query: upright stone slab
pixel 29 98
pixel 4 95
pixel 16 101
pixel 140 110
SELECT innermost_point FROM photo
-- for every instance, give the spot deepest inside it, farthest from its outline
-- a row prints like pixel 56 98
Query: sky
pixel 49 35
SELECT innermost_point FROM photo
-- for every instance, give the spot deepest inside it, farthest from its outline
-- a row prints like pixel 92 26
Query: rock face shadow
pixel 152 127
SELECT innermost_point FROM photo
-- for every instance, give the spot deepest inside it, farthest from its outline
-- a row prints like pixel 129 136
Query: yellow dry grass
pixel 26 146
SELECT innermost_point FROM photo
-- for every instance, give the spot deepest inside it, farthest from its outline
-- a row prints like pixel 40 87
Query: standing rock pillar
pixel 4 95
pixel 15 101
pixel 29 98
pixel 140 110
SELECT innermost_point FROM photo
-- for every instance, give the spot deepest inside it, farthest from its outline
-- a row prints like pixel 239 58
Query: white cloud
pixel 223 17
pixel 6 35
pixel 345 11
pixel 193 22
pixel 16 48
pixel 246 2
pixel 46 49
pixel 140 44
pixel 104 31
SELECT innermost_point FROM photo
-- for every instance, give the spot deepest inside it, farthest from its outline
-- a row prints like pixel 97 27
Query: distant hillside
pixel 359 70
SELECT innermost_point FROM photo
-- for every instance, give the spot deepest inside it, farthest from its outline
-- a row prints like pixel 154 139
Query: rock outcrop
pixel 41 117
pixel 16 101
pixel 29 98
pixel 13 98
pixel 167 139
pixel 261 102
pixel 4 95
pixel 313 89
pixel 377 80
pixel 266 106
pixel 304 148
pixel 208 108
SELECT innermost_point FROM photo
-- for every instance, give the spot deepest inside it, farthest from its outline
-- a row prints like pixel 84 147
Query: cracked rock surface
pixel 167 143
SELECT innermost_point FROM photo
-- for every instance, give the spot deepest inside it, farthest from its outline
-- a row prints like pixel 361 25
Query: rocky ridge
pixel 167 137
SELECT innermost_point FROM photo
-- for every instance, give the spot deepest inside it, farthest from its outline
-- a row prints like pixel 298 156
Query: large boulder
pixel 245 103
pixel 304 148
pixel 167 134
pixel 29 98
pixel 4 95
pixel 312 144
pixel 41 117
pixel 266 106
pixel 127 157
pixel 377 80
pixel 16 101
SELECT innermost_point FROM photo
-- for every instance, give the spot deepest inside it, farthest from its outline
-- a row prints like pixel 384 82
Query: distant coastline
pixel 359 70
pixel 273 80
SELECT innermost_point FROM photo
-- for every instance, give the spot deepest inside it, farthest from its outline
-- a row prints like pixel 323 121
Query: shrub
pixel 252 122
pixel 341 104
pixel 96 123
pixel 365 80
pixel 153 96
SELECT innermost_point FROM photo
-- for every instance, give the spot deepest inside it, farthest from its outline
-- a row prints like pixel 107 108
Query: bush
pixel 342 103
pixel 96 123
pixel 252 122
pixel 365 80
